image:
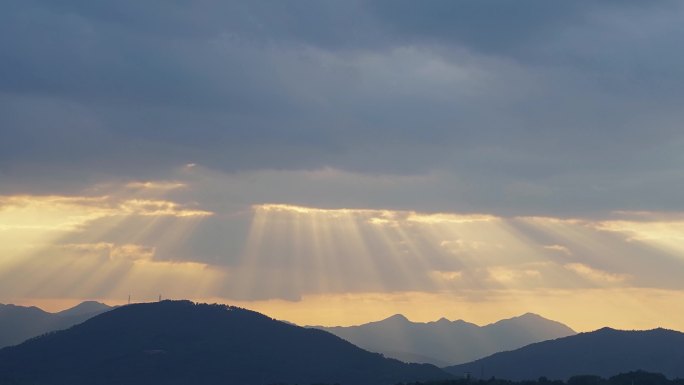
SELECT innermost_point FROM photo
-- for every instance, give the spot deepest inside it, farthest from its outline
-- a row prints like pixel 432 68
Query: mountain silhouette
pixel 19 323
pixel 445 342
pixel 87 308
pixel 604 352
pixel 179 342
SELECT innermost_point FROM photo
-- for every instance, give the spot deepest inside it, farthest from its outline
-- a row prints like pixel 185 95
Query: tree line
pixel 638 377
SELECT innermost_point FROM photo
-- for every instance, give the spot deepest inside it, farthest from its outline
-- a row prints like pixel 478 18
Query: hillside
pixel 19 323
pixel 605 352
pixel 178 342
pixel 445 342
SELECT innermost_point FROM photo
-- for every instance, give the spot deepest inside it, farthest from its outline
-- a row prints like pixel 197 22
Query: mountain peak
pixel 85 307
pixel 19 323
pixel 523 317
pixel 530 315
pixel 444 341
pixel 533 321
pixel 397 318
pixel 13 307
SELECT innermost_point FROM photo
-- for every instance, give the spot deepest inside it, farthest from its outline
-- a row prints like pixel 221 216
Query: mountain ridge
pixel 19 323
pixel 180 342
pixel 604 352
pixel 443 342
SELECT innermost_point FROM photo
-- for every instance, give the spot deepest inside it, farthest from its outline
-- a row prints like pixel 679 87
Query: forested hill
pixel 179 342
pixel 604 352
pixel 638 377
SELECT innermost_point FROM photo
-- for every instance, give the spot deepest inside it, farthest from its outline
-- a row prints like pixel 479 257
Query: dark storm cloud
pixel 568 107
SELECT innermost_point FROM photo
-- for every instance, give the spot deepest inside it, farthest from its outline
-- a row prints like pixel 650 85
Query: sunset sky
pixel 337 162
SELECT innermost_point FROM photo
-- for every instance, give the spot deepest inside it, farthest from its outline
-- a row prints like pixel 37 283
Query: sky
pixel 337 162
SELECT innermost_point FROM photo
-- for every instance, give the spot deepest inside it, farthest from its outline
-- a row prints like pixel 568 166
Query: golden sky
pixel 341 266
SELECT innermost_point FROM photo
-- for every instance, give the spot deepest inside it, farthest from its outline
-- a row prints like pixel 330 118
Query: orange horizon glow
pixel 599 309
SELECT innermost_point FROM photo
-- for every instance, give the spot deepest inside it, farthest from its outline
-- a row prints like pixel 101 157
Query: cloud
pixel 148 207
pixel 508 276
pixel 67 212
pixel 558 248
pixel 537 110
pixel 129 252
pixel 595 275
pixel 155 185
pixel 338 148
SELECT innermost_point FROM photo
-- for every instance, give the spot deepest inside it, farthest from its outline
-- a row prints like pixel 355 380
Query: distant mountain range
pixel 604 352
pixel 445 342
pixel 179 342
pixel 440 343
pixel 19 323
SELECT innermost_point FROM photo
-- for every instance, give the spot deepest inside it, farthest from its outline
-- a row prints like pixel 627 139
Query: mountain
pixel 604 352
pixel 19 323
pixel 87 308
pixel 179 342
pixel 445 342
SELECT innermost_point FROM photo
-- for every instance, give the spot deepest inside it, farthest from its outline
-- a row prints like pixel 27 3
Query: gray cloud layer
pixel 520 107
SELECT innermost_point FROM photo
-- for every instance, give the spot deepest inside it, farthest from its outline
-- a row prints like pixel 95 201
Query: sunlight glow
pixel 343 266
pixel 581 309
pixel 156 185
pixel 75 246
pixel 666 235
pixel 473 257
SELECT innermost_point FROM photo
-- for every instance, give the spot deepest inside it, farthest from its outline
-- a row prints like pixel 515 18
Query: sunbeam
pixel 85 246
pixel 470 259
pixel 293 260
